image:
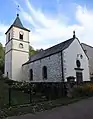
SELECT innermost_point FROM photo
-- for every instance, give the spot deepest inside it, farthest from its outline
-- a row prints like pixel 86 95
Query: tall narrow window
pixel 9 37
pixel 21 35
pixel 44 72
pixel 7 74
pixel 31 74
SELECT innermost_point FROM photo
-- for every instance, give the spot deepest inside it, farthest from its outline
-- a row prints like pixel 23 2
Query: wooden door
pixel 79 77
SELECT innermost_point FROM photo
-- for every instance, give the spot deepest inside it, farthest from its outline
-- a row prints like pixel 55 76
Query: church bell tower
pixel 16 50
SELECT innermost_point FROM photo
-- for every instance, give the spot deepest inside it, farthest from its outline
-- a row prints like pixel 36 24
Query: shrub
pixel 83 90
pixel 71 79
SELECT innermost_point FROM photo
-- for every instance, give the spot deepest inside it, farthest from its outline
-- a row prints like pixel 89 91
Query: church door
pixel 79 77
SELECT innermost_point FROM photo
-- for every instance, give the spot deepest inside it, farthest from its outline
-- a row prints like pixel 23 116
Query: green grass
pixel 18 97
pixel 3 94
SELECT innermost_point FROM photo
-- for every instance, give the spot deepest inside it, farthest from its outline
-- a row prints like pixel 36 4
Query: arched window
pixel 31 74
pixel 7 74
pixel 21 35
pixel 44 72
pixel 9 37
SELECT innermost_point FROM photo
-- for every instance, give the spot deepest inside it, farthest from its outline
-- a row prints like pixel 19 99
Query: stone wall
pixel 54 69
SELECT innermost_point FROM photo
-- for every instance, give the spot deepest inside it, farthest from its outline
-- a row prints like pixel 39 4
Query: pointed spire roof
pixel 17 23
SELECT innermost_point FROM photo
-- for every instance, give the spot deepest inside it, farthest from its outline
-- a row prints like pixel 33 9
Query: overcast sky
pixel 50 21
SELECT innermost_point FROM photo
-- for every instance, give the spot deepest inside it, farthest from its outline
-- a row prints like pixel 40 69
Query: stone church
pixel 54 64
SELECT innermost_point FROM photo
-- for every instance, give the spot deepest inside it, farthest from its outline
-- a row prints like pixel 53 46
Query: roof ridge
pixel 52 46
pixel 59 43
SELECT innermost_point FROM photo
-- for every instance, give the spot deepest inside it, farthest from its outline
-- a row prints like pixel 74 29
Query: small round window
pixel 21 45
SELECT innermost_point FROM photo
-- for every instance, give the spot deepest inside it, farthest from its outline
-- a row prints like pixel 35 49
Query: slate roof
pixel 50 51
pixel 17 23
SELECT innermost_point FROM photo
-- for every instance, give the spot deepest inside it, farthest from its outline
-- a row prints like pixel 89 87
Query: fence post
pixel 9 95
pixel 9 82
pixel 30 92
pixel 9 91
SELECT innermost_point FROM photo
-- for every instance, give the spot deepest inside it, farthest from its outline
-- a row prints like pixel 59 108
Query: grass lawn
pixel 17 96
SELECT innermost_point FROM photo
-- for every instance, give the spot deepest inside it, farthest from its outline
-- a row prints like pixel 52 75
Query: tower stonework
pixel 16 50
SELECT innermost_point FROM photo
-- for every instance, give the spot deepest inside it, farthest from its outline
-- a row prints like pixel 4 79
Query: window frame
pixel 44 72
pixel 8 37
pixel 31 74
pixel 21 34
pixel 7 74
pixel 21 45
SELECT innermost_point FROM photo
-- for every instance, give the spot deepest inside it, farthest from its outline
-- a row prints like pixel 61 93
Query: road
pixel 79 110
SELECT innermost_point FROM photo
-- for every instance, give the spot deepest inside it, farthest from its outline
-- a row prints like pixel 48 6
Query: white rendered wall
pixel 8 55
pixel 16 56
pixel 11 34
pixel 70 56
pixel 16 34
pixel 8 46
pixel 15 45
pixel 8 65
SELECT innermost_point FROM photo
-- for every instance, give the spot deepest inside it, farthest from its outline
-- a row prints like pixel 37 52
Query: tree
pixel 32 51
pixel 1 58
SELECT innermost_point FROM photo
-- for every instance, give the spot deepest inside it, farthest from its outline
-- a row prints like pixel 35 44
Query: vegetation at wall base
pixel 20 98
pixel 38 107
pixel 83 90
